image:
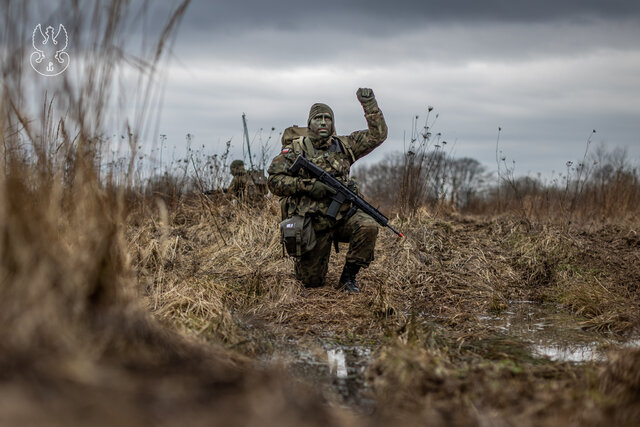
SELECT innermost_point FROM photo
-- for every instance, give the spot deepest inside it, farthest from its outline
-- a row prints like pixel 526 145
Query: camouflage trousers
pixel 360 231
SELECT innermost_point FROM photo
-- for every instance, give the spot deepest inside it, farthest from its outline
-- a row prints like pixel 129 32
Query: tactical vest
pixel 302 145
pixel 295 136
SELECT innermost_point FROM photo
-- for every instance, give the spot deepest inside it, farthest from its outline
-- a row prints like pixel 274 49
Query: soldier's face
pixel 321 125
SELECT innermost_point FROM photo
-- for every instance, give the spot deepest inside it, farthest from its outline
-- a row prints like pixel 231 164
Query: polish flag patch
pixel 285 150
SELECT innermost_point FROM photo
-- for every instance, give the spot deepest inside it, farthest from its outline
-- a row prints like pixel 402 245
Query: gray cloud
pixel 547 106
pixel 362 15
pixel 547 72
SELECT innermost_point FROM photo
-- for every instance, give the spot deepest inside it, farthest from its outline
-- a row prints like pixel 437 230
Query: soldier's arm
pixel 363 142
pixel 281 182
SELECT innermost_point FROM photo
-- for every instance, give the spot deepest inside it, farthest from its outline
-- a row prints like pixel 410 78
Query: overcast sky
pixel 546 72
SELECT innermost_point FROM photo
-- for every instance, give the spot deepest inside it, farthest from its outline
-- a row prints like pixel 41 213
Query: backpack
pixel 293 132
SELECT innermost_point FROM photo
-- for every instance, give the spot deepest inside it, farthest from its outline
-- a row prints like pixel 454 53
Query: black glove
pixel 320 190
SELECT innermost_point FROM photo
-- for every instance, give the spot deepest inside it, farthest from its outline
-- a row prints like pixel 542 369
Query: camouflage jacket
pixel 335 156
pixel 243 187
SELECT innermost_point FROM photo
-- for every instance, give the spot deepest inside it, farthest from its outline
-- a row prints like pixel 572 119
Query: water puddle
pixel 633 343
pixel 570 353
pixel 551 334
pixel 339 369
pixel 337 363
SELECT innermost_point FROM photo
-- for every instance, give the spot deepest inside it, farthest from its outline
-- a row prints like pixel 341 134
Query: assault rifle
pixel 343 193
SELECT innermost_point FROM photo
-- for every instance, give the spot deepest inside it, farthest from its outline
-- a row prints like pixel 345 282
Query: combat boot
pixel 348 277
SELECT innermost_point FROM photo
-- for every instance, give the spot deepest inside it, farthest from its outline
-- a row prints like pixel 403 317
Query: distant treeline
pixel 604 185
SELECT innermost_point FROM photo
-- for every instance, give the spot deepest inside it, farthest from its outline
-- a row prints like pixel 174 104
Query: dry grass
pixel 171 310
pixel 419 307
pixel 449 268
pixel 214 275
pixel 78 345
pixel 423 385
pixel 620 382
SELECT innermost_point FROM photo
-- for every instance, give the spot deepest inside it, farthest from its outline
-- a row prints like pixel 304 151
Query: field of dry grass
pixel 430 356
pixel 123 309
pixel 128 305
pixel 138 311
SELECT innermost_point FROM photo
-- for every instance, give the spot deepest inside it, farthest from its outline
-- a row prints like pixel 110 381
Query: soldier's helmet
pixel 237 167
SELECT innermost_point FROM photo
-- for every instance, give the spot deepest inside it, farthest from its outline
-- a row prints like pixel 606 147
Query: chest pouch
pixel 298 236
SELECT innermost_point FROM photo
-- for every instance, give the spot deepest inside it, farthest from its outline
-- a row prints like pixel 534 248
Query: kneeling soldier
pixel 307 197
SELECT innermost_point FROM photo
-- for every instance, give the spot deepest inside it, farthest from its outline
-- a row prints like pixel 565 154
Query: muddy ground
pixel 466 321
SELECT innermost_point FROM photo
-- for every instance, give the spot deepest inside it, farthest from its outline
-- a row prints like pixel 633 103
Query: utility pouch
pixel 298 236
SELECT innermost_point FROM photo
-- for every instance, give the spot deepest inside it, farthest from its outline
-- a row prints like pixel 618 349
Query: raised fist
pixel 365 94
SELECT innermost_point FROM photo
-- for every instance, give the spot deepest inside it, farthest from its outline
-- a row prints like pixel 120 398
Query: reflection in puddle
pixel 551 334
pixel 571 353
pixel 337 364
pixel 633 343
pixel 339 369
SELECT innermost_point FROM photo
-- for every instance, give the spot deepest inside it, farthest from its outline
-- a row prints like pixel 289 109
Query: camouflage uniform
pixel 242 186
pixel 334 154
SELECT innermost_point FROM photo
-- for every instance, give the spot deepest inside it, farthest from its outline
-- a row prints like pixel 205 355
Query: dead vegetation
pixel 448 267
pixel 78 344
pixel 123 307
pixel 419 310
